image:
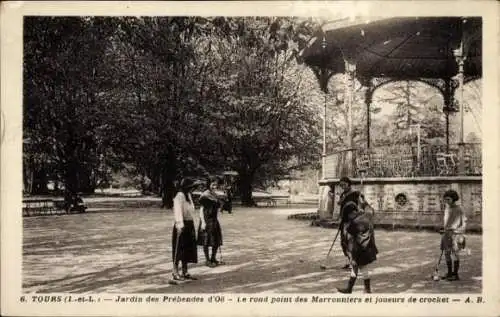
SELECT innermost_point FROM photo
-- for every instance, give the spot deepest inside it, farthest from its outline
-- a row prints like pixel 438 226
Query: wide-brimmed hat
pixel 186 183
pixel 346 180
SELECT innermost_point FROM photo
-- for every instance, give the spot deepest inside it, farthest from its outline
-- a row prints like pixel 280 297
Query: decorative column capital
pixel 350 66
pixel 369 95
pixel 460 58
pixel 454 84
pixel 365 81
pixel 323 76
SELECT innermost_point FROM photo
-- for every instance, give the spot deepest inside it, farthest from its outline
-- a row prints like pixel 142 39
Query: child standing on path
pixel 453 239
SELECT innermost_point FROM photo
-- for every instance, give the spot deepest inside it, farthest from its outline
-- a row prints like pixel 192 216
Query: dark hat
pixel 212 179
pixel 345 180
pixel 186 184
pixel 452 194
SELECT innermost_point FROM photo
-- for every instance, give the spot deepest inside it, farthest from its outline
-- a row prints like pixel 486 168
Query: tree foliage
pixel 410 103
pixel 254 96
pixel 61 112
pixel 172 96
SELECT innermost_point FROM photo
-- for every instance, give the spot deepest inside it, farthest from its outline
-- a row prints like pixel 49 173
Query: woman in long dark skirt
pixel 210 233
pixel 184 247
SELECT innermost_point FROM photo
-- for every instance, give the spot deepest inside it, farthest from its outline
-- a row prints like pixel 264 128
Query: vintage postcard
pixel 249 158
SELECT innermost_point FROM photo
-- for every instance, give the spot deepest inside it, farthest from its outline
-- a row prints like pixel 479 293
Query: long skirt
pixel 212 235
pixel 184 246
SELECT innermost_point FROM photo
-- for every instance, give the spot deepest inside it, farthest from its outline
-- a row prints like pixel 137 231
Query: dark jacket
pixel 358 232
pixel 211 205
pixel 347 203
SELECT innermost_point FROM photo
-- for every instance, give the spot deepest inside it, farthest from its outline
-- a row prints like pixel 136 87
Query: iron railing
pixel 406 161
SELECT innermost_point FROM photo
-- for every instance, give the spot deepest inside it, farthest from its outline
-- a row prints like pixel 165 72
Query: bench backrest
pixel 38 203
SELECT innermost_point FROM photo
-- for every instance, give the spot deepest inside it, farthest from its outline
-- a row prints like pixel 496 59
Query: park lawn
pixel 129 252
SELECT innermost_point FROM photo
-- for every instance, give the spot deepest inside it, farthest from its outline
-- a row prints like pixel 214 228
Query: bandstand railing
pixel 406 161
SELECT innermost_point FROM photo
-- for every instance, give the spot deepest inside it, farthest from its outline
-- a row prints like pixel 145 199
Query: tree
pixel 259 122
pixel 152 96
pixel 412 103
pixel 338 112
pixel 155 91
pixel 472 138
pixel 473 103
pixel 62 72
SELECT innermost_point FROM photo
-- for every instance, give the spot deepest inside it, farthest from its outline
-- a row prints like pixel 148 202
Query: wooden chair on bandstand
pixel 363 164
pixel 446 163
pixel 407 166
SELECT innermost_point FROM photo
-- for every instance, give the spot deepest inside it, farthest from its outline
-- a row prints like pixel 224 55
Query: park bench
pixel 270 200
pixel 37 207
pixel 280 198
pixel 45 207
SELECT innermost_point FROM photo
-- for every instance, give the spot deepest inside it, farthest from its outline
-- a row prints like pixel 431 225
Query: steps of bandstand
pixel 305 216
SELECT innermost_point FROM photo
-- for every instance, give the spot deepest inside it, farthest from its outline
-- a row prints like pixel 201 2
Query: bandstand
pixel 405 187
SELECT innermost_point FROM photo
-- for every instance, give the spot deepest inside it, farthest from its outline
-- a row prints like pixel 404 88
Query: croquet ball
pixel 301 261
pixel 435 278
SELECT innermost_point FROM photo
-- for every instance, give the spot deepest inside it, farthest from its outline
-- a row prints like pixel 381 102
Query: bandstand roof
pixel 401 47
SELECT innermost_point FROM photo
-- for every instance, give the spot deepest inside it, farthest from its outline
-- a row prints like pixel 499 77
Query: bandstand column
pixel 324 139
pixel 447 114
pixel 350 75
pixel 460 58
pixel 368 102
pixel 324 76
pixel 448 95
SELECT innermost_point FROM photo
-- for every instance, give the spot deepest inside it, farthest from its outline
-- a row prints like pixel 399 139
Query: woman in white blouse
pixel 184 247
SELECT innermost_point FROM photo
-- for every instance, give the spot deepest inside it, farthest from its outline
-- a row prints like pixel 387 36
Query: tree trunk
pixel 72 163
pixel 40 181
pixel 86 183
pixel 155 180
pixel 169 173
pixel 245 186
pixel 71 177
pixel 168 194
pixel 28 176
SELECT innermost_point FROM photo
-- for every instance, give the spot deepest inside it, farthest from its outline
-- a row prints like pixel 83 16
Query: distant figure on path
pixel 359 240
pixel 228 201
pixel 146 185
pixel 210 232
pixel 184 247
pixel 453 239
pixel 74 203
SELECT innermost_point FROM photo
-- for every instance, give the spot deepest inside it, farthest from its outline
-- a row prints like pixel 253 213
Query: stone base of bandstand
pixel 408 203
